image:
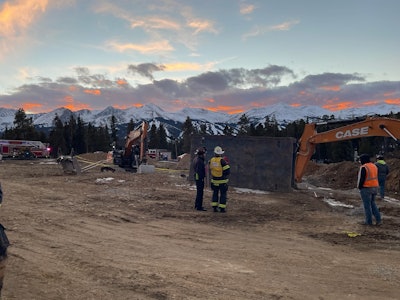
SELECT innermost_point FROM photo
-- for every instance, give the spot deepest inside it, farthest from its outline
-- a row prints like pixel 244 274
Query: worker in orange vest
pixel 368 185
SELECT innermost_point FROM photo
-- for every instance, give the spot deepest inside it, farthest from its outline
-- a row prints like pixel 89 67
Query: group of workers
pixel 371 182
pixel 219 170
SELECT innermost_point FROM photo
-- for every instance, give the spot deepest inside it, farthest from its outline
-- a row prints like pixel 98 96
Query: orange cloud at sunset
pixel 137 105
pixel 73 106
pixel 93 92
pixel 17 16
pixel 393 101
pixel 152 47
pixel 31 107
pixel 371 102
pixel 335 88
pixel 339 106
pixel 183 66
pixel 226 109
pixel 202 25
pixel 304 93
pixel 295 104
pixel 122 82
pixel 178 103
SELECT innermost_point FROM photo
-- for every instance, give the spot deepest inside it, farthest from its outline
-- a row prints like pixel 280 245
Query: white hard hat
pixel 218 150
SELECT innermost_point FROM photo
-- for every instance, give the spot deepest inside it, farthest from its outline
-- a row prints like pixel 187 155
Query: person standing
pixel 383 171
pixel 199 168
pixel 220 171
pixel 367 183
pixel 4 243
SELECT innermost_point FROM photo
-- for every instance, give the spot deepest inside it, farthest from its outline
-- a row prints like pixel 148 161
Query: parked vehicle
pixel 24 149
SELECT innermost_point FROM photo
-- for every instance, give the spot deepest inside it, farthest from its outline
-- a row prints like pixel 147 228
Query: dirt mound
pixel 343 175
pixel 393 179
pixel 184 163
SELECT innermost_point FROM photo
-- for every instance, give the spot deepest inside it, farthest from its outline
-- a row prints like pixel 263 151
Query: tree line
pixel 85 137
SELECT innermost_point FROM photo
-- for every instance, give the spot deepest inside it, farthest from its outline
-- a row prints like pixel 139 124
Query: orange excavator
pixel 134 152
pixel 371 126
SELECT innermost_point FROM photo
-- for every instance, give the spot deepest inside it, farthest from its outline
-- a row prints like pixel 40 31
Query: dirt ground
pixel 122 235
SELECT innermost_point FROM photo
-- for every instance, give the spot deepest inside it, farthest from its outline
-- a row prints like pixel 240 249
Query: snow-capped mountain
pixel 214 121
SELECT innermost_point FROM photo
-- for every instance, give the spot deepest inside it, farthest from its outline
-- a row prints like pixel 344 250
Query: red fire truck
pixel 23 149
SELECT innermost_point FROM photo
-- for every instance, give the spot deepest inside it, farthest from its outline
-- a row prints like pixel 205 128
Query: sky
pixel 221 55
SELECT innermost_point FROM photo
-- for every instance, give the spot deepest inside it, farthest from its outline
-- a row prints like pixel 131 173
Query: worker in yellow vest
pixel 368 185
pixel 220 171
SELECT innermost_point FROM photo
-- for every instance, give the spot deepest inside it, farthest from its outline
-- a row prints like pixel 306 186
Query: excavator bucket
pixel 69 164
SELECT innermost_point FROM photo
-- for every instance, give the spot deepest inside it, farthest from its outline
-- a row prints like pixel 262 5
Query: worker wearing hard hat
pixel 220 171
pixel 199 168
pixel 367 183
pixel 383 171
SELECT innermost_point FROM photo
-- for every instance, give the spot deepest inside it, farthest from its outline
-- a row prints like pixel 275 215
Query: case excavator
pixel 371 126
pixel 134 152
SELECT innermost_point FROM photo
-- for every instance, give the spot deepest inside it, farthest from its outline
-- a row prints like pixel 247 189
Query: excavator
pixel 371 126
pixel 134 152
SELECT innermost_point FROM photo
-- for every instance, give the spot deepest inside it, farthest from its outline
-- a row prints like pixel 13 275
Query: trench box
pixel 261 163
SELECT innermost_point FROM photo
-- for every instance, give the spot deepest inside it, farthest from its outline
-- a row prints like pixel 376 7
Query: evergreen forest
pixel 63 137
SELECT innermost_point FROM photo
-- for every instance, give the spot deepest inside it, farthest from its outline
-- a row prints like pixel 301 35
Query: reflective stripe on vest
pixel 219 181
pixel 371 176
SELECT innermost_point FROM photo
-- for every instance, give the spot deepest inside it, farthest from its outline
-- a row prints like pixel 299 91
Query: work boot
pixel 222 210
pixel 201 209
pixel 215 209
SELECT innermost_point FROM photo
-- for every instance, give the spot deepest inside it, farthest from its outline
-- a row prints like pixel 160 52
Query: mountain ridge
pixel 215 121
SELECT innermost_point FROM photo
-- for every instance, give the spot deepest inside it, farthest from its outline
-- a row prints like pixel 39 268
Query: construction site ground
pixel 122 235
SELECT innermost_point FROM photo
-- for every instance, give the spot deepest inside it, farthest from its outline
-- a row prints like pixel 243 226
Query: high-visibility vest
pixel 217 171
pixel 371 178
pixel 216 167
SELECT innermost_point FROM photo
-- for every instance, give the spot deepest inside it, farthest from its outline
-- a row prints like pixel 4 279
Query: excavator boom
pixel 137 136
pixel 372 126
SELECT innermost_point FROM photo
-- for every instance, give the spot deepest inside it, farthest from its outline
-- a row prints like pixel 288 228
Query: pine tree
pixel 244 125
pixel 153 137
pixel 113 126
pixel 228 130
pixel 188 131
pixel 56 138
pixel 80 137
pixel 23 127
pixel 203 128
pixel 69 133
pixel 162 137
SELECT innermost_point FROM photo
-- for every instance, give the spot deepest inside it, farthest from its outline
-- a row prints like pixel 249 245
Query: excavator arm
pixel 137 136
pixel 372 126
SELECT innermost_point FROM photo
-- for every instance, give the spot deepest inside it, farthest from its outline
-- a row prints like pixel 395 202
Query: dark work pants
pixel 219 195
pixel 199 194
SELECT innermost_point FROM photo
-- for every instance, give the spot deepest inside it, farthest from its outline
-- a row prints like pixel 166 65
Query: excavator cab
pixel 129 161
pixel 133 154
